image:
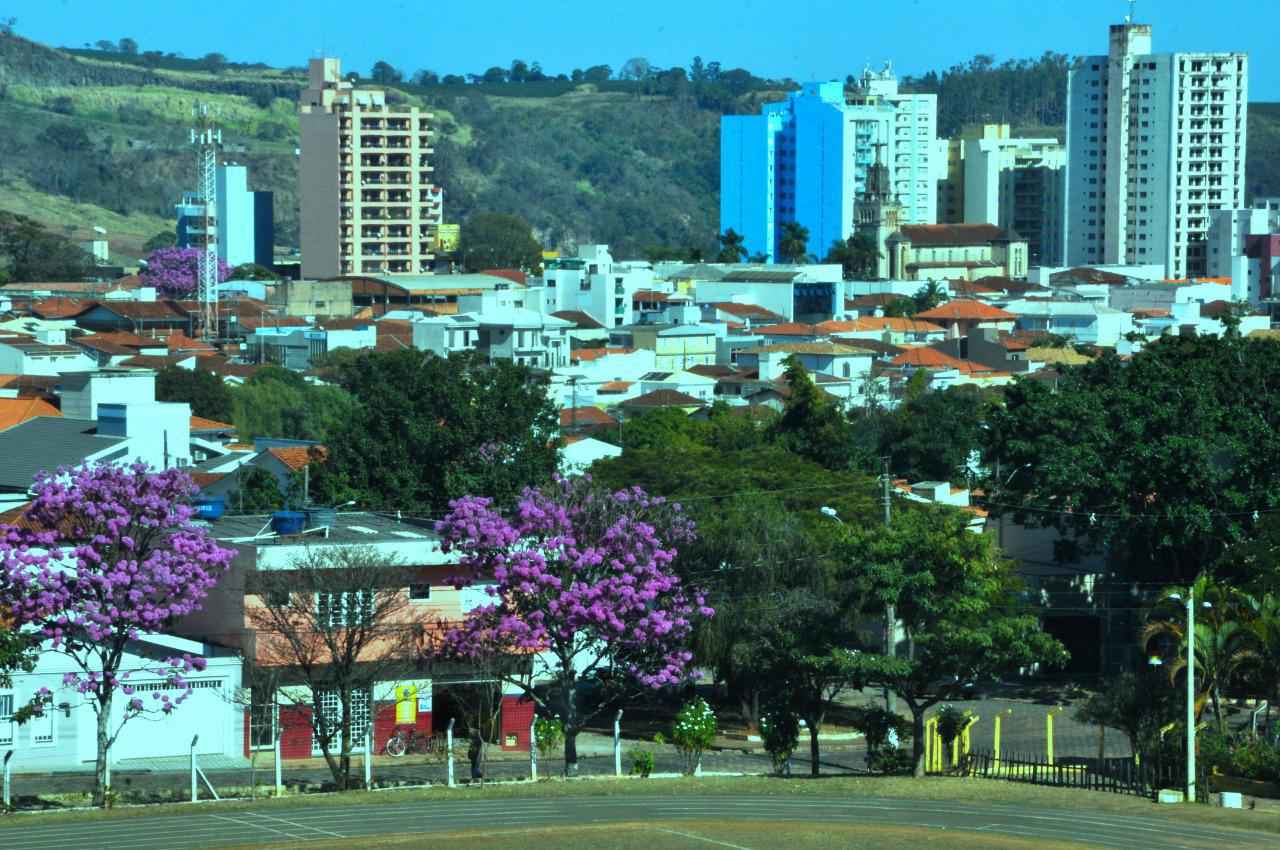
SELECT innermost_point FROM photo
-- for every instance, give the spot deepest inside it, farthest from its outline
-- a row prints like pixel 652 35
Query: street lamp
pixel 1191 687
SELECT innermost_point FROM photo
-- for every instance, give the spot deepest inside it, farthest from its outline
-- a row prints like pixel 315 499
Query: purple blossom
pixel 577 568
pixel 175 272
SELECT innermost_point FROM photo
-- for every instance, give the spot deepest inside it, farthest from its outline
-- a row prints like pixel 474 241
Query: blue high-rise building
pixel 806 159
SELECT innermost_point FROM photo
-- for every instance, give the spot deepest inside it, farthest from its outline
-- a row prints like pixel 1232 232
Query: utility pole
pixel 890 610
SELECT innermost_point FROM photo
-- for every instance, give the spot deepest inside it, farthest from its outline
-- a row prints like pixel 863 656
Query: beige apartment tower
pixel 368 206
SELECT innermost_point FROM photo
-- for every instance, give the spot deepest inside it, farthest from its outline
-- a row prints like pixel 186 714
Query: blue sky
pixel 802 39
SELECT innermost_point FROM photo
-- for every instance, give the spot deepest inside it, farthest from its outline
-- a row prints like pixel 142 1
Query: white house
pixel 821 358
pixel 65 735
pixel 594 283
pixel 46 353
pixel 578 453
pixel 1082 321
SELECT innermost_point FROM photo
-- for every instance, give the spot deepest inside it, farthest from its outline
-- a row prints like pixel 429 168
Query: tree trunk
pixel 104 734
pixel 814 749
pixel 569 701
pixel 917 739
pixel 1102 745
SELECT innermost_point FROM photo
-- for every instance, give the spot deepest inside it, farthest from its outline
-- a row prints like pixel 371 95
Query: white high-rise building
pixel 806 160
pixel 1154 143
pixel 1016 184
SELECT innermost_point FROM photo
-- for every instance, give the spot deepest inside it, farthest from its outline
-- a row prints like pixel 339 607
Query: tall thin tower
pixel 206 139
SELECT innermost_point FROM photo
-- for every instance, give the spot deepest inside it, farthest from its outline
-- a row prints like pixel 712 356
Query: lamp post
pixel 1190 601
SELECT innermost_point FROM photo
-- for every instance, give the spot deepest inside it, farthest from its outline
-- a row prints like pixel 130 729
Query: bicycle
pixel 407 739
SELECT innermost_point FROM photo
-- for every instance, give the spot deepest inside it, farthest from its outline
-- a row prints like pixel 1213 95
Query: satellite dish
pixel 101 230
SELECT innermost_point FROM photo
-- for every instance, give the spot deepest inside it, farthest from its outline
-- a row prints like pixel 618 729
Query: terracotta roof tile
pixel 931 358
pixel 962 309
pixel 664 398
pixel 833 349
pixel 788 329
pixel 586 355
pixel 747 311
pixel 925 235
pixel 296 457
pixel 15 411
pixel 880 323
pixel 60 308
pixel 585 417
pixel 581 320
pixel 199 423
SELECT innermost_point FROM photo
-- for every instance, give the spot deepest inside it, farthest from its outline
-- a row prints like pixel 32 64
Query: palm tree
pixel 1221 640
pixel 794 244
pixel 929 296
pixel 732 249
pixel 1262 620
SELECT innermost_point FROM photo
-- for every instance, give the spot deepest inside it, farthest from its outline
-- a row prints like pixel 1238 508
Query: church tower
pixel 877 213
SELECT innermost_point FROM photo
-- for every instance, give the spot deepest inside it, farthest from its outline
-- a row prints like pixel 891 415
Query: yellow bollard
pixel 931 744
pixel 1048 729
pixel 1000 715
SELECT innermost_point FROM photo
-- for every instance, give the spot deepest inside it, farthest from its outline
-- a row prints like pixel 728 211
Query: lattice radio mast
pixel 206 139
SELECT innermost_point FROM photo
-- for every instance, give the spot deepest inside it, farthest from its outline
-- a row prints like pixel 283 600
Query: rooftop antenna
pixel 1132 16
pixel 206 139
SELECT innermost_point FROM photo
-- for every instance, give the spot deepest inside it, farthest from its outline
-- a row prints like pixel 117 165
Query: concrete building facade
pixel 1017 185
pixel 807 159
pixel 367 202
pixel 1155 142
pixel 243 220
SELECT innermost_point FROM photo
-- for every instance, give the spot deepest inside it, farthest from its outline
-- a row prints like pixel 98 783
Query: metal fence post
pixel 7 777
pixel 448 746
pixel 275 743
pixel 195 791
pixel 368 756
pixel 617 743
pixel 533 749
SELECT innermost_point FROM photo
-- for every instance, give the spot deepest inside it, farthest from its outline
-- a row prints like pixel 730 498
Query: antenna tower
pixel 206 139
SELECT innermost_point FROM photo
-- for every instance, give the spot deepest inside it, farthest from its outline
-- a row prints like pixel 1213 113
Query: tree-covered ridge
pixel 625 153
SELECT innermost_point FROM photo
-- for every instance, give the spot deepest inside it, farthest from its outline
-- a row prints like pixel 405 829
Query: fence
pixel 1120 776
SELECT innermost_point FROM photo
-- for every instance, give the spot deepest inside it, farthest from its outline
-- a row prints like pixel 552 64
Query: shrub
pixel 780 730
pixel 550 735
pixel 885 733
pixel 693 732
pixel 641 761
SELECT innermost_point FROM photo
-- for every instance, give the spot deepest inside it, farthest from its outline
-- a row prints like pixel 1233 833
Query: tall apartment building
pixel 242 222
pixel 1018 185
pixel 368 205
pixel 1154 143
pixel 806 159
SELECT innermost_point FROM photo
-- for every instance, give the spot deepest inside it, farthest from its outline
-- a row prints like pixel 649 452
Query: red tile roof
pixel 880 323
pixel 930 235
pixel 199 423
pixel 513 275
pixel 664 398
pixel 613 387
pixel 15 411
pixel 962 310
pixel 180 342
pixel 748 311
pixel 582 321
pixel 870 302
pixel 586 355
pixel 650 295
pixel 788 329
pixel 60 308
pixel 204 479
pixel 296 457
pixel 931 358
pixel 585 417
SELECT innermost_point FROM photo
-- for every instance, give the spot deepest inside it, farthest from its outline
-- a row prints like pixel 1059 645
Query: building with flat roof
pixel 242 221
pixel 1155 143
pixel 367 202
pixel 806 159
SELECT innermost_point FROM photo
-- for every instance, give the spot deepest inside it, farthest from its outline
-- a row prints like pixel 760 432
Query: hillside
pixel 94 138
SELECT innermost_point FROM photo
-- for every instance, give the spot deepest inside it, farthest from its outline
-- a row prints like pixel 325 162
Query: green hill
pixel 93 138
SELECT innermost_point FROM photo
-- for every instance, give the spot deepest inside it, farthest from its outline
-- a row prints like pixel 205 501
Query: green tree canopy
pixel 498 241
pixel 1164 458
pixel 278 403
pixel 732 249
pixel 857 255
pixel 793 242
pixel 933 436
pixel 29 253
pixel 253 271
pixel 163 239
pixel 426 429
pixel 204 391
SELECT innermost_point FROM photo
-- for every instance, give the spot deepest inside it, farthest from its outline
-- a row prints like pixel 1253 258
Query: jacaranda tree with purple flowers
pixel 175 272
pixel 103 555
pixel 583 585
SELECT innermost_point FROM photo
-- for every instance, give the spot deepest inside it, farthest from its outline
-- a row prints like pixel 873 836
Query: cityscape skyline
pixel 460 40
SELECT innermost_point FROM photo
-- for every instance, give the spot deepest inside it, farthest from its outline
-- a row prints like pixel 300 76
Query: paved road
pixel 278 823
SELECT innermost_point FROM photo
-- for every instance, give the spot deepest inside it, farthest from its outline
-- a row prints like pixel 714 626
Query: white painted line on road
pixel 702 838
pixel 261 826
pixel 294 824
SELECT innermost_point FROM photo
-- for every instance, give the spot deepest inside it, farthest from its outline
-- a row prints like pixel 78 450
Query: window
pixel 262 719
pixel 331 707
pixel 41 728
pixel 278 597
pixel 6 719
pixel 350 608
pixel 419 592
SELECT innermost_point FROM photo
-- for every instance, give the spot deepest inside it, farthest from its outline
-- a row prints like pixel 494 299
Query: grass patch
pixel 125 233
pixel 976 791
pixel 700 833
